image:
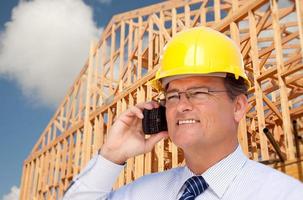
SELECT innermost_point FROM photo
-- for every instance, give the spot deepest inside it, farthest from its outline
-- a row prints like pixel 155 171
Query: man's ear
pixel 240 106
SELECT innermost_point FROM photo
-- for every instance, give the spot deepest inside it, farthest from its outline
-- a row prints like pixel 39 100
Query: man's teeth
pixel 188 121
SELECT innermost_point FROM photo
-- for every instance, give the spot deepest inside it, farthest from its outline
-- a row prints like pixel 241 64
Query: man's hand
pixel 126 138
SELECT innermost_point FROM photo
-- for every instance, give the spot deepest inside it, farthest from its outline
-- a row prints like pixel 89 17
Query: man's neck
pixel 200 161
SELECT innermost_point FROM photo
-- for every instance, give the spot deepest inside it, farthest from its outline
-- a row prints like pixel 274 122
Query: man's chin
pixel 187 132
pixel 184 142
pixel 186 138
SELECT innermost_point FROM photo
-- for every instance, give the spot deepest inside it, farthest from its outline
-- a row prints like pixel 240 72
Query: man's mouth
pixel 187 121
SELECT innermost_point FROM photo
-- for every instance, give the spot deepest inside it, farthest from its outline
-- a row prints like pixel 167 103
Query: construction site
pixel 119 66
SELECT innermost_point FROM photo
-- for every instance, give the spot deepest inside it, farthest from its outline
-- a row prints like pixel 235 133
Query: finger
pixel 155 104
pixel 137 111
pixel 130 114
pixel 145 105
pixel 154 139
pixel 148 105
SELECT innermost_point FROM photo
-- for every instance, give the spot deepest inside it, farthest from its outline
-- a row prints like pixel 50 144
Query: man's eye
pixel 172 96
pixel 195 93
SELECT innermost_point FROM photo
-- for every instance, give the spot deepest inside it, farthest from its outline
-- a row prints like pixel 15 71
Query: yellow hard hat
pixel 199 51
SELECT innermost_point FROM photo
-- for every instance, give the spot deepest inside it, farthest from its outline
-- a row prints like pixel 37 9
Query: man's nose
pixel 184 103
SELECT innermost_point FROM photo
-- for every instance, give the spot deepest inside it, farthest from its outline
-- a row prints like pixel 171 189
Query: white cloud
pixel 45 45
pixel 13 194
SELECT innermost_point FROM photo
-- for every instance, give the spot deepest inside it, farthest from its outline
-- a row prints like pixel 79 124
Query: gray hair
pixel 235 87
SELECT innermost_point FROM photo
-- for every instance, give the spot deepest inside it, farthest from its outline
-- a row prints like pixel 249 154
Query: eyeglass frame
pixel 187 93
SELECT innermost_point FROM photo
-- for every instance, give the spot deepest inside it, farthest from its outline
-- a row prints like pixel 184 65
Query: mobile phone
pixel 154 120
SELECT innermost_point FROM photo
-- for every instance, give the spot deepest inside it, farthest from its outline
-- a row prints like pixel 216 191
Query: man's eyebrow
pixel 172 90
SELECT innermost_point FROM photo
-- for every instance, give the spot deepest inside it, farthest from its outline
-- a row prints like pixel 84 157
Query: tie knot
pixel 194 187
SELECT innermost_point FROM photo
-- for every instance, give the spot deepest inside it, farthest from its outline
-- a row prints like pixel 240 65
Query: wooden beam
pixel 283 89
pixel 257 85
pixel 242 12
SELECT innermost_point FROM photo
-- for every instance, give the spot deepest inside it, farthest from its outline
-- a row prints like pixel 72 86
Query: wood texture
pixel 270 36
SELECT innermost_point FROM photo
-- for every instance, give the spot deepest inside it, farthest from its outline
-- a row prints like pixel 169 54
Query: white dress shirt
pixel 234 177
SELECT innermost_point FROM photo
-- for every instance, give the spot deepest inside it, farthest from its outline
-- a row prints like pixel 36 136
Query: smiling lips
pixel 187 121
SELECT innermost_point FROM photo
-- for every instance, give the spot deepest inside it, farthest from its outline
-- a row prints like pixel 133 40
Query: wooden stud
pixel 258 89
pixel 82 120
pixel 283 89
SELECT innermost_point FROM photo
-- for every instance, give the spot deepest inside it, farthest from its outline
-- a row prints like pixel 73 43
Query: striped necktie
pixel 194 187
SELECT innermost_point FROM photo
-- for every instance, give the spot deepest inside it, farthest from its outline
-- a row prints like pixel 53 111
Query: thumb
pixel 154 139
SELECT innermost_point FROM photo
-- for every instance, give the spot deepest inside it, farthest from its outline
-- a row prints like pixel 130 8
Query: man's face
pixel 206 123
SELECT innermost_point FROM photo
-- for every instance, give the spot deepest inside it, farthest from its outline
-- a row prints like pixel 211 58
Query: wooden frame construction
pixel 270 36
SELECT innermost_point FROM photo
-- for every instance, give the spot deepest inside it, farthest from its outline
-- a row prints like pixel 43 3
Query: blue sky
pixel 26 104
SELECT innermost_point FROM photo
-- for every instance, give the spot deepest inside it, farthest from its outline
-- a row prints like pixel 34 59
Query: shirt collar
pixel 220 175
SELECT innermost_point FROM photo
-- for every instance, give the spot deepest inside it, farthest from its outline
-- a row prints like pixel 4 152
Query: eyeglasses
pixel 194 95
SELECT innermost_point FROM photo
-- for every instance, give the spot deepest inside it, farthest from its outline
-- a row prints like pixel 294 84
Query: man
pixel 203 78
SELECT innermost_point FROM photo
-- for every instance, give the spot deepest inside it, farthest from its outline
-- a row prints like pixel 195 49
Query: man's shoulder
pixel 265 182
pixel 164 182
pixel 166 175
pixel 272 177
pixel 162 179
